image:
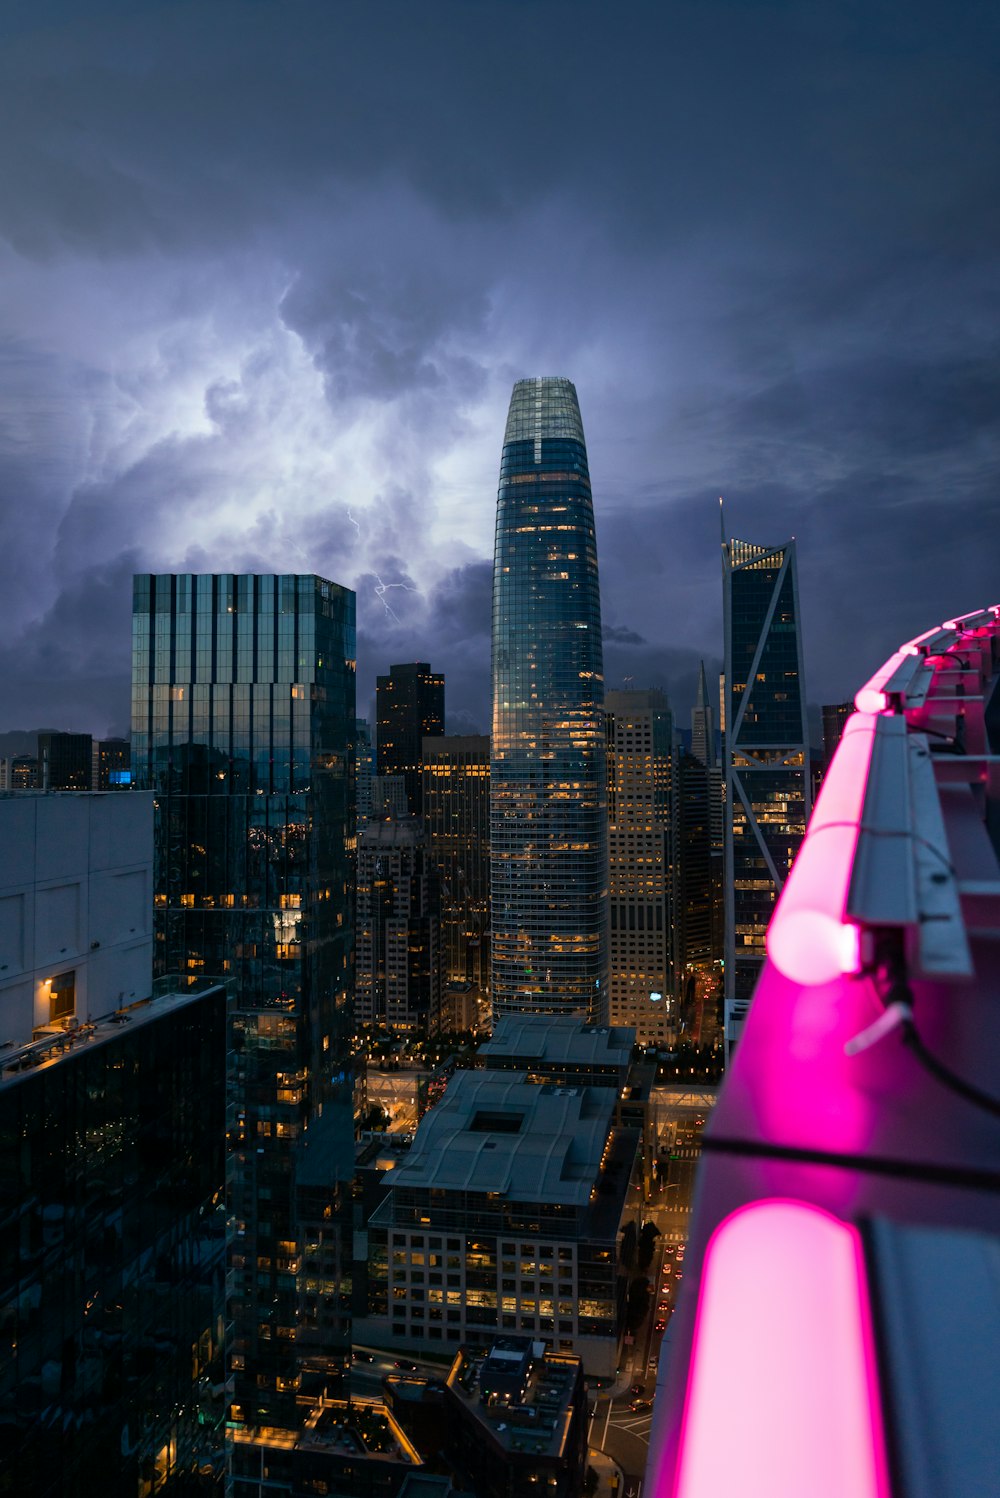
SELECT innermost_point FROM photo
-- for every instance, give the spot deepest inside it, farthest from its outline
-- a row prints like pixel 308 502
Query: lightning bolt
pixel 382 588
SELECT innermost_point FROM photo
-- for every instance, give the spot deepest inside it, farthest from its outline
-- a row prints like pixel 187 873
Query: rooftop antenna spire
pixel 722 523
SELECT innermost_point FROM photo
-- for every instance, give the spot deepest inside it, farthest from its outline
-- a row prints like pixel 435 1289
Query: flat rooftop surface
pixel 497 1132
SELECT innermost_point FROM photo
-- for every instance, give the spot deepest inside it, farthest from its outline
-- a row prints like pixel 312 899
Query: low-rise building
pixel 354 1448
pixel 564 1050
pixel 559 1048
pixel 517 1421
pixel 19 772
pixel 505 1217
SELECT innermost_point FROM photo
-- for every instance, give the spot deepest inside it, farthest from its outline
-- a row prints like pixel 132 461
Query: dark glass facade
pixel 410 705
pixel 243 721
pixel 64 761
pixel 767 780
pixel 457 818
pixel 693 925
pixel 112 1254
pixel 548 795
pixel 835 716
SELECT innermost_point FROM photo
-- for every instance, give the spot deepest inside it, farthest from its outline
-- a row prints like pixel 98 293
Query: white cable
pixel 895 1014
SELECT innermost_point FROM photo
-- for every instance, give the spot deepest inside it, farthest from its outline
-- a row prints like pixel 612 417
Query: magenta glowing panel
pixel 782 1398
pixel 808 939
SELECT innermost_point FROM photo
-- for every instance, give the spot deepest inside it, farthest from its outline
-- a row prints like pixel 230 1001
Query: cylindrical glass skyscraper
pixel 548 796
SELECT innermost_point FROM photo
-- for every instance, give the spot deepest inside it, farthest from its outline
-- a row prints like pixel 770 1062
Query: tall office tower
pixel 640 733
pixel 398 971
pixel 548 792
pixel 457 819
pixel 364 759
pixel 692 927
pixel 703 748
pixel 767 753
pixel 64 761
pixel 243 724
pixel 703 724
pixel 410 706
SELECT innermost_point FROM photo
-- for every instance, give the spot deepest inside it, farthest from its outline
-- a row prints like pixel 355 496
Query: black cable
pixel 945 1075
pixel 899 992
pixel 934 1171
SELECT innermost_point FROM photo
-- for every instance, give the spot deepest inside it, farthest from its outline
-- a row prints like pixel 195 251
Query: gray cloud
pixel 620 634
pixel 269 272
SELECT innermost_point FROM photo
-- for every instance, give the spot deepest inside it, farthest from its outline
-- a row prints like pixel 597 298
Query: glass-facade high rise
pixel 243 720
pixel 457 818
pixel 548 794
pixel 640 729
pixel 767 753
pixel 410 705
pixel 112 1248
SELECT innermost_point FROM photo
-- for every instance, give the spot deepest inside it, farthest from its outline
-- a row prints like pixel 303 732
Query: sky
pixel 269 269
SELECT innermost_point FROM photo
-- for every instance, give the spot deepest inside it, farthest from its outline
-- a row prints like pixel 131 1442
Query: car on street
pixel 637 1389
pixel 641 1405
pixel 663 1306
pixel 660 1326
pixel 406 1366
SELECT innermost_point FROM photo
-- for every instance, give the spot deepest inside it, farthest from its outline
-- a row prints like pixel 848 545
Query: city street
pixel 616 1429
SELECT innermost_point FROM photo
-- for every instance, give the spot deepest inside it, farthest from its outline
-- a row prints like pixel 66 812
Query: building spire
pixel 702 700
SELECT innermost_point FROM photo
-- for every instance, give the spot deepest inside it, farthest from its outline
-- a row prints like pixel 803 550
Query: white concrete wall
pixel 76 895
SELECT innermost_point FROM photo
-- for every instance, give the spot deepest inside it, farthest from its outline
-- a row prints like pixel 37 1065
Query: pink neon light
pixel 808 939
pixel 871 698
pixel 783 1396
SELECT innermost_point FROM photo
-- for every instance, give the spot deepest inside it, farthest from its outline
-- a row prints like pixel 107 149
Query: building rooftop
pixel 440 746
pixel 425 1485
pixel 542 408
pixel 407 833
pixel 533 1418
pixel 362 1428
pixel 49 1049
pixel 497 1132
pixel 851 1160
pixel 560 1039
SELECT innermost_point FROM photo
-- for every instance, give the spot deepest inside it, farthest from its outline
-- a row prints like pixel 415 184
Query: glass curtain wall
pixel 243 725
pixel 548 794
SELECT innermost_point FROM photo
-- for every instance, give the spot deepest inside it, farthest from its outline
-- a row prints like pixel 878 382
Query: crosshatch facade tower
pixel 548 793
pixel 243 716
pixel 767 753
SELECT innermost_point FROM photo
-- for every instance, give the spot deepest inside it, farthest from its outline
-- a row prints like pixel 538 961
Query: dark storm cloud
pixel 451 630
pixel 270 270
pixel 69 666
pixel 620 634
